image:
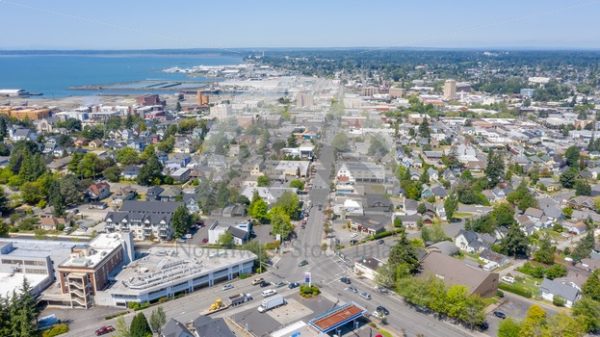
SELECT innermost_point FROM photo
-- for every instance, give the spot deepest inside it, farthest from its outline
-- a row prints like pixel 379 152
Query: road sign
pixel 307 278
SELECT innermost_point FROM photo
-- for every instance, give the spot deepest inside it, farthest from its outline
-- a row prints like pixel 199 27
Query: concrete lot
pixel 297 308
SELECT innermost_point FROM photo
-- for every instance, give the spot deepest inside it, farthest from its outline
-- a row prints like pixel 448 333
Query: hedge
pixel 515 289
pixel 56 330
pixel 117 314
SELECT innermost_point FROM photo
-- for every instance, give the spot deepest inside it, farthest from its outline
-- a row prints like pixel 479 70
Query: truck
pixel 239 299
pixel 271 302
pixel 234 300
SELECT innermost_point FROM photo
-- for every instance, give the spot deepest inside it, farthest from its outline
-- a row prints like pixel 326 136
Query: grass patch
pixel 115 315
pixel 56 330
pixel 385 333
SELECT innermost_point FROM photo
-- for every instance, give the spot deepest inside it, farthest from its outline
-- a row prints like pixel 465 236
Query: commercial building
pixel 87 270
pixel 360 172
pixel 168 272
pixel 23 112
pixel 450 89
pixel 304 99
pixel 143 219
pixel 456 272
pixel 201 98
pixel 18 262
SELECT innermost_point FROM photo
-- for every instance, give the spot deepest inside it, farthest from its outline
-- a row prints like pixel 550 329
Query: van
pixel 269 292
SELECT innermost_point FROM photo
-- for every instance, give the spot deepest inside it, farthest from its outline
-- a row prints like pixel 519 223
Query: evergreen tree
pixel 591 287
pixel 55 198
pixel 450 206
pixel 3 128
pixel 403 253
pixel 515 243
pixel 182 221
pixel 158 318
pixel 139 326
pixel 494 170
pixel 572 156
pixel 151 172
pixel 545 252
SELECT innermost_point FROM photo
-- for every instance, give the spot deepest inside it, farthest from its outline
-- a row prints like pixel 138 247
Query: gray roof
pixel 211 327
pixel 160 207
pixel 174 328
pixel 453 271
pixel 558 289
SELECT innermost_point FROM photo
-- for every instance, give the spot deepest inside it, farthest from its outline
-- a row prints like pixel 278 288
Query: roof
pixel 211 327
pixel 337 317
pixel 174 328
pixel 453 271
pixel 135 206
pixel 558 289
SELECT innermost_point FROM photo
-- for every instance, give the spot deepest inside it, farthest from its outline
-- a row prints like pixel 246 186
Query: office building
pixel 166 273
pixel 19 262
pixel 449 89
pixel 87 270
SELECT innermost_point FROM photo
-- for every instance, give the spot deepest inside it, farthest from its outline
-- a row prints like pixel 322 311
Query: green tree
pixel 258 208
pixel 404 253
pixel 569 177
pixel 534 322
pixel 582 187
pixel 522 197
pixel 127 156
pixel 340 142
pixel 591 287
pixel 139 326
pixel 55 198
pixel 89 166
pixel 181 221
pixel 515 243
pixel 290 203
pixel 509 328
pixel 226 240
pixel 158 318
pixel 151 172
pixel 494 170
pixel 587 311
pixel 563 325
pixel 297 183
pixel 280 221
pixel 112 174
pixel 545 252
pixel 451 206
pixel 263 181
pixel 572 156
pixel 424 130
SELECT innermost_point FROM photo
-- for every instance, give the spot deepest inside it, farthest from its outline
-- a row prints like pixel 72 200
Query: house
pixel 377 204
pixel 98 191
pixel 552 288
pixel 174 328
pixel 51 223
pixel 205 326
pixel 443 247
pixel 453 272
pixel 125 193
pixel 240 232
pixel 367 267
pixel 371 224
pixel 236 210
pixel 191 202
pixel 577 228
pixel 170 193
pixel 472 242
pixel 153 193
pixel 492 259
pixel 130 172
pixel 181 175
pixel 410 221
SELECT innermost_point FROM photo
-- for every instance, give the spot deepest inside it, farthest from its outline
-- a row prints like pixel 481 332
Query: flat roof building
pixel 87 270
pixel 164 272
pixel 18 263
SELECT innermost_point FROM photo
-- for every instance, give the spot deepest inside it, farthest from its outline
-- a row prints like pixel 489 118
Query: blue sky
pixel 149 24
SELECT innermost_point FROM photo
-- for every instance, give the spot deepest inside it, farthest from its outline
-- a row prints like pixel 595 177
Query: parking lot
pixel 297 308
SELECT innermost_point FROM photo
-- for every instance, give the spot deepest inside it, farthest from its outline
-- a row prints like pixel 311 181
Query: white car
pixel 508 279
pixel 188 236
pixel 269 292
pixel 227 286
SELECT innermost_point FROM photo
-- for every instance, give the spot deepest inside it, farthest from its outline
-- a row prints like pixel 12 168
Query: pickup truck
pixel 257 281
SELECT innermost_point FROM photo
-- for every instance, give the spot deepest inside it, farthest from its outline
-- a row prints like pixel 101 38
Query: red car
pixel 104 330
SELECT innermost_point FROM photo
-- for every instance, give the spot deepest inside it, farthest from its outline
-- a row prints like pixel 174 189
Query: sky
pixel 174 24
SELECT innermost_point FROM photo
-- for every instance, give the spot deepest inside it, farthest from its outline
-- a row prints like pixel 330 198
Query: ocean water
pixel 52 73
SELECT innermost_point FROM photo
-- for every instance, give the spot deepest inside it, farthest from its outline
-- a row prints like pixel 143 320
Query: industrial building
pixel 164 272
pixel 24 112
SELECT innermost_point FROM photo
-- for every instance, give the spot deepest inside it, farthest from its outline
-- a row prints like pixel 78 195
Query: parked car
pixel 383 310
pixel 258 281
pixel 280 284
pixel 205 240
pixel 104 330
pixel 378 314
pixel 345 280
pixel 188 236
pixel 264 284
pixel 383 290
pixel 293 285
pixel 500 314
pixel 365 295
pixel 227 286
pixel 302 263
pixel 352 289
pixel 381 242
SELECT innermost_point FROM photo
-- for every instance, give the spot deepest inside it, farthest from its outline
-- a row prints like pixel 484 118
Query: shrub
pixel 307 291
pixel 556 271
pixel 499 293
pixel 272 245
pixel 115 315
pixel 558 301
pixel 136 306
pixel 515 289
pixel 56 330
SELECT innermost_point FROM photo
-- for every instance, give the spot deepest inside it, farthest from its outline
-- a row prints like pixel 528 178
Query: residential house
pixel 98 191
pixel 367 267
pixel 551 288
pixel 472 242
pixel 492 260
pixel 130 172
